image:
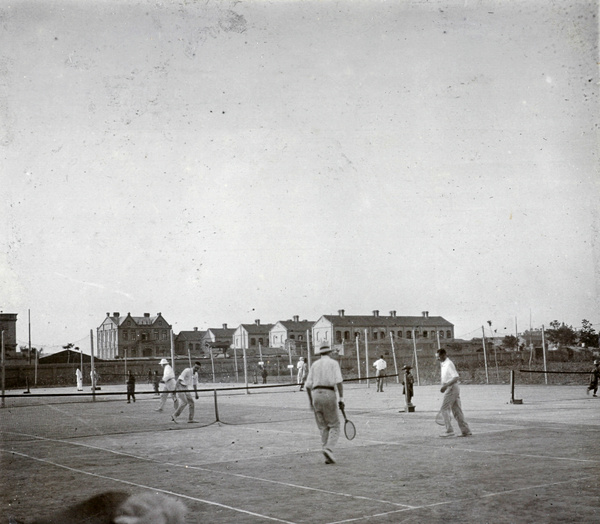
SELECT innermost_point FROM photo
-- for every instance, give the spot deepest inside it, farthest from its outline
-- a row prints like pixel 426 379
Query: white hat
pixel 324 347
pixel 163 361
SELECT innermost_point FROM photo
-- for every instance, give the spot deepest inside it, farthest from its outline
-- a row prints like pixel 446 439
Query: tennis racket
pixel 349 428
pixel 439 419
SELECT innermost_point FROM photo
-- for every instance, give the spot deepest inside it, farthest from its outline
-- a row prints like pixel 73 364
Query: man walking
pixel 184 394
pixel 168 379
pixel 380 366
pixel 323 378
pixel 451 403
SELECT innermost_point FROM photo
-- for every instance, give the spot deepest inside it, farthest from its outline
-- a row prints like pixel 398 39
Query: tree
pixel 510 342
pixel 561 334
pixel 588 335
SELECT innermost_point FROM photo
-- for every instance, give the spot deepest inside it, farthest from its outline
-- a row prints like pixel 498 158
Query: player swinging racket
pixel 323 378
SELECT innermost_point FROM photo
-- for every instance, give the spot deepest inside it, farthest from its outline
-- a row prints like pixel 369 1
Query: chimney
pixel 341 312
pixel 425 314
pixel 296 318
pixel 116 314
pixel 195 329
pixel 147 315
pixel 257 321
pixel 393 314
pixel 376 313
pixel 108 314
pixel 224 326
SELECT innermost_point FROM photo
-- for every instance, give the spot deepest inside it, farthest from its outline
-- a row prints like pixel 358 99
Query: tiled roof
pixel 386 321
pixel 221 332
pixel 301 324
pixel 257 328
pixel 191 335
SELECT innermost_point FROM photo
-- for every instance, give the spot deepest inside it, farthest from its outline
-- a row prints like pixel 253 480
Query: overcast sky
pixel 221 162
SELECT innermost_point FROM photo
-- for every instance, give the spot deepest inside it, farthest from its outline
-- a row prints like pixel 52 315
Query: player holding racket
pixel 323 378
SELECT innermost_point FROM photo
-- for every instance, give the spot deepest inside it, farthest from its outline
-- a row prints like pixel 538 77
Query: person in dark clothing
pixel 130 387
pixel 264 373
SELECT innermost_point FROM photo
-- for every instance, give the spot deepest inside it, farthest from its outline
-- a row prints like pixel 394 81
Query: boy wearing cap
pixel 323 378
pixel 168 379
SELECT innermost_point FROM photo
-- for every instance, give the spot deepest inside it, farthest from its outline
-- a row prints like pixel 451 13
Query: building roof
pixel 386 321
pixel 297 324
pixel 191 336
pixel 253 329
pixel 221 332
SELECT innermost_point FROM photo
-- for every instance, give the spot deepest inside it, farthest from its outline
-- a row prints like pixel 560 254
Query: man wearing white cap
pixel 323 378
pixel 168 379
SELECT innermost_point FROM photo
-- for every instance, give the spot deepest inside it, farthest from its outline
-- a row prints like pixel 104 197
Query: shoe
pixel 173 419
pixel 192 422
pixel 158 409
pixel 594 395
pixel 128 402
pixel 466 435
pixel 447 435
pixel 328 457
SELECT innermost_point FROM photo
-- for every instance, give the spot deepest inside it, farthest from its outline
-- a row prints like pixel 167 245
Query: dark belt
pixel 325 387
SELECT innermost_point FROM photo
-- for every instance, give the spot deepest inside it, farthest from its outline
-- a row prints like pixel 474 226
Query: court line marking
pixel 447 502
pixel 167 492
pixel 215 471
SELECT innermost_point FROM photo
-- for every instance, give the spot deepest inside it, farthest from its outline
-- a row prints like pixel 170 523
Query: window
pixel 338 336
pixel 293 337
pixel 374 335
pixel 425 334
pixel 164 335
pixel 441 334
pixel 253 342
pixel 448 334
pixel 399 334
pixel 346 335
pixel 300 337
pixel 125 335
pixel 409 334
pixel 260 341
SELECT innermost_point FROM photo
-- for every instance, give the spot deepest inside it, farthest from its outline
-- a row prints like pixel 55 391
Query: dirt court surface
pixel 261 461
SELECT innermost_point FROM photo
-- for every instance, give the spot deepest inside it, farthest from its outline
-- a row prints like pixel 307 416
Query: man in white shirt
pixel 451 403
pixel 323 378
pixel 302 372
pixel 380 366
pixel 184 392
pixel 79 376
pixel 168 379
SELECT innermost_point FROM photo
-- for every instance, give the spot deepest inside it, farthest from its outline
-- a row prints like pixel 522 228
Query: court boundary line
pixel 214 471
pixel 129 483
pixel 480 497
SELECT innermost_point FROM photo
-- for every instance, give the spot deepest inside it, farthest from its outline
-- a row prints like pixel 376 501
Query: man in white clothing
pixel 79 376
pixel 380 366
pixel 451 403
pixel 301 366
pixel 184 386
pixel 168 379
pixel 323 378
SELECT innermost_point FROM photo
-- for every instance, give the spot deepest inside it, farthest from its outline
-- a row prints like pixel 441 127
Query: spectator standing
pixel 302 368
pixel 156 382
pixel 451 404
pixel 130 387
pixel 79 377
pixel 264 374
pixel 380 366
pixel 323 378
pixel 594 378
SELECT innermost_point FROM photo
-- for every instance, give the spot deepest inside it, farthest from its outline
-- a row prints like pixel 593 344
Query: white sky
pixel 222 162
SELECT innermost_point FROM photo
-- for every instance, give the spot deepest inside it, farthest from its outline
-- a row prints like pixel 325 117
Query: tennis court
pixel 260 462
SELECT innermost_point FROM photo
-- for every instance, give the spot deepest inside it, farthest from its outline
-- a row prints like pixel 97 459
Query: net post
pixel 216 406
pixel 513 400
